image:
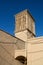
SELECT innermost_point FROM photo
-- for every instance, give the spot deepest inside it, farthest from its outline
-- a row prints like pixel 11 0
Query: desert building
pixel 24 48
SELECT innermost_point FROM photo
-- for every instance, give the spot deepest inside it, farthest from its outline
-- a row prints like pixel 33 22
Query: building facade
pixel 24 48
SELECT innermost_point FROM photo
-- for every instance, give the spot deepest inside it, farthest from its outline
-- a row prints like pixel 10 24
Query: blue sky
pixel 8 8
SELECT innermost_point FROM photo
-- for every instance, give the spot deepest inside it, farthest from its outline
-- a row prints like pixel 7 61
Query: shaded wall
pixel 8 45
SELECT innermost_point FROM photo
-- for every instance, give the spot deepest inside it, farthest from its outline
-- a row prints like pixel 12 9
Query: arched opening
pixel 22 59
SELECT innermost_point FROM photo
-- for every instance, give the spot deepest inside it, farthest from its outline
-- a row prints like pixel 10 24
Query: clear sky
pixel 8 8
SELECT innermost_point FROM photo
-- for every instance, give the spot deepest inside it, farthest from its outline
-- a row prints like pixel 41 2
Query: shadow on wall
pixel 22 59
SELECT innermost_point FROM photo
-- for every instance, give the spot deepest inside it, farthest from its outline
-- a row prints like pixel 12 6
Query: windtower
pixel 25 25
